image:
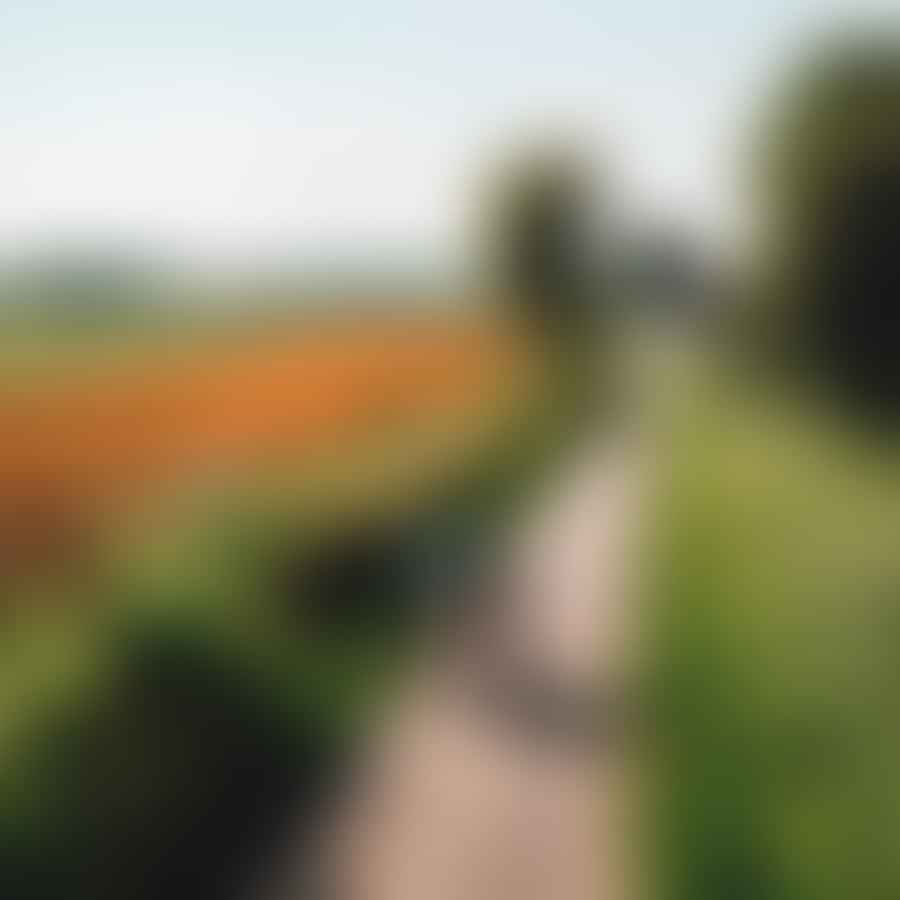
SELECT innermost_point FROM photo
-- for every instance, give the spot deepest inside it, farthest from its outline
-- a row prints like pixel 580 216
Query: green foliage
pixel 827 183
pixel 539 244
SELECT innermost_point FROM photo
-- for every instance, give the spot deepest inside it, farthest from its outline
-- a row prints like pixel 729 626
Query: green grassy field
pixel 774 641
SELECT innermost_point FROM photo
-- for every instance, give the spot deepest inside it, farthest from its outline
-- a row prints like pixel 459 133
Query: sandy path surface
pixel 490 778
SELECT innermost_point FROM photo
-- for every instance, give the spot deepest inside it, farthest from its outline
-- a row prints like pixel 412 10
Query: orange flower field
pixel 102 439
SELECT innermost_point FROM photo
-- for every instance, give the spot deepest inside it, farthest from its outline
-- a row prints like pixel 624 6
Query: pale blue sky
pixel 234 129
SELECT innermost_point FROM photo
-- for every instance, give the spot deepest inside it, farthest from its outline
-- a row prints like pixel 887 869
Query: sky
pixel 232 131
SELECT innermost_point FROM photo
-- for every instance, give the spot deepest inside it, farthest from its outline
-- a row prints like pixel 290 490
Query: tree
pixel 540 248
pixel 827 177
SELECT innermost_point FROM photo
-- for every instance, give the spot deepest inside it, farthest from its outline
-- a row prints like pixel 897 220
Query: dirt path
pixel 491 778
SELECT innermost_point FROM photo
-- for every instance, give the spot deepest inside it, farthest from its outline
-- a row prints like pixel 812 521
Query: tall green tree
pixel 541 242
pixel 543 245
pixel 827 184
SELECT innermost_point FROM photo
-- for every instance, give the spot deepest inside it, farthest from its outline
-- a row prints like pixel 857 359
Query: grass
pixel 775 651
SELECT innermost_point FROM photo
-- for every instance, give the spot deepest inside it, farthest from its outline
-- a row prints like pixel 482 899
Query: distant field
pixel 92 432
